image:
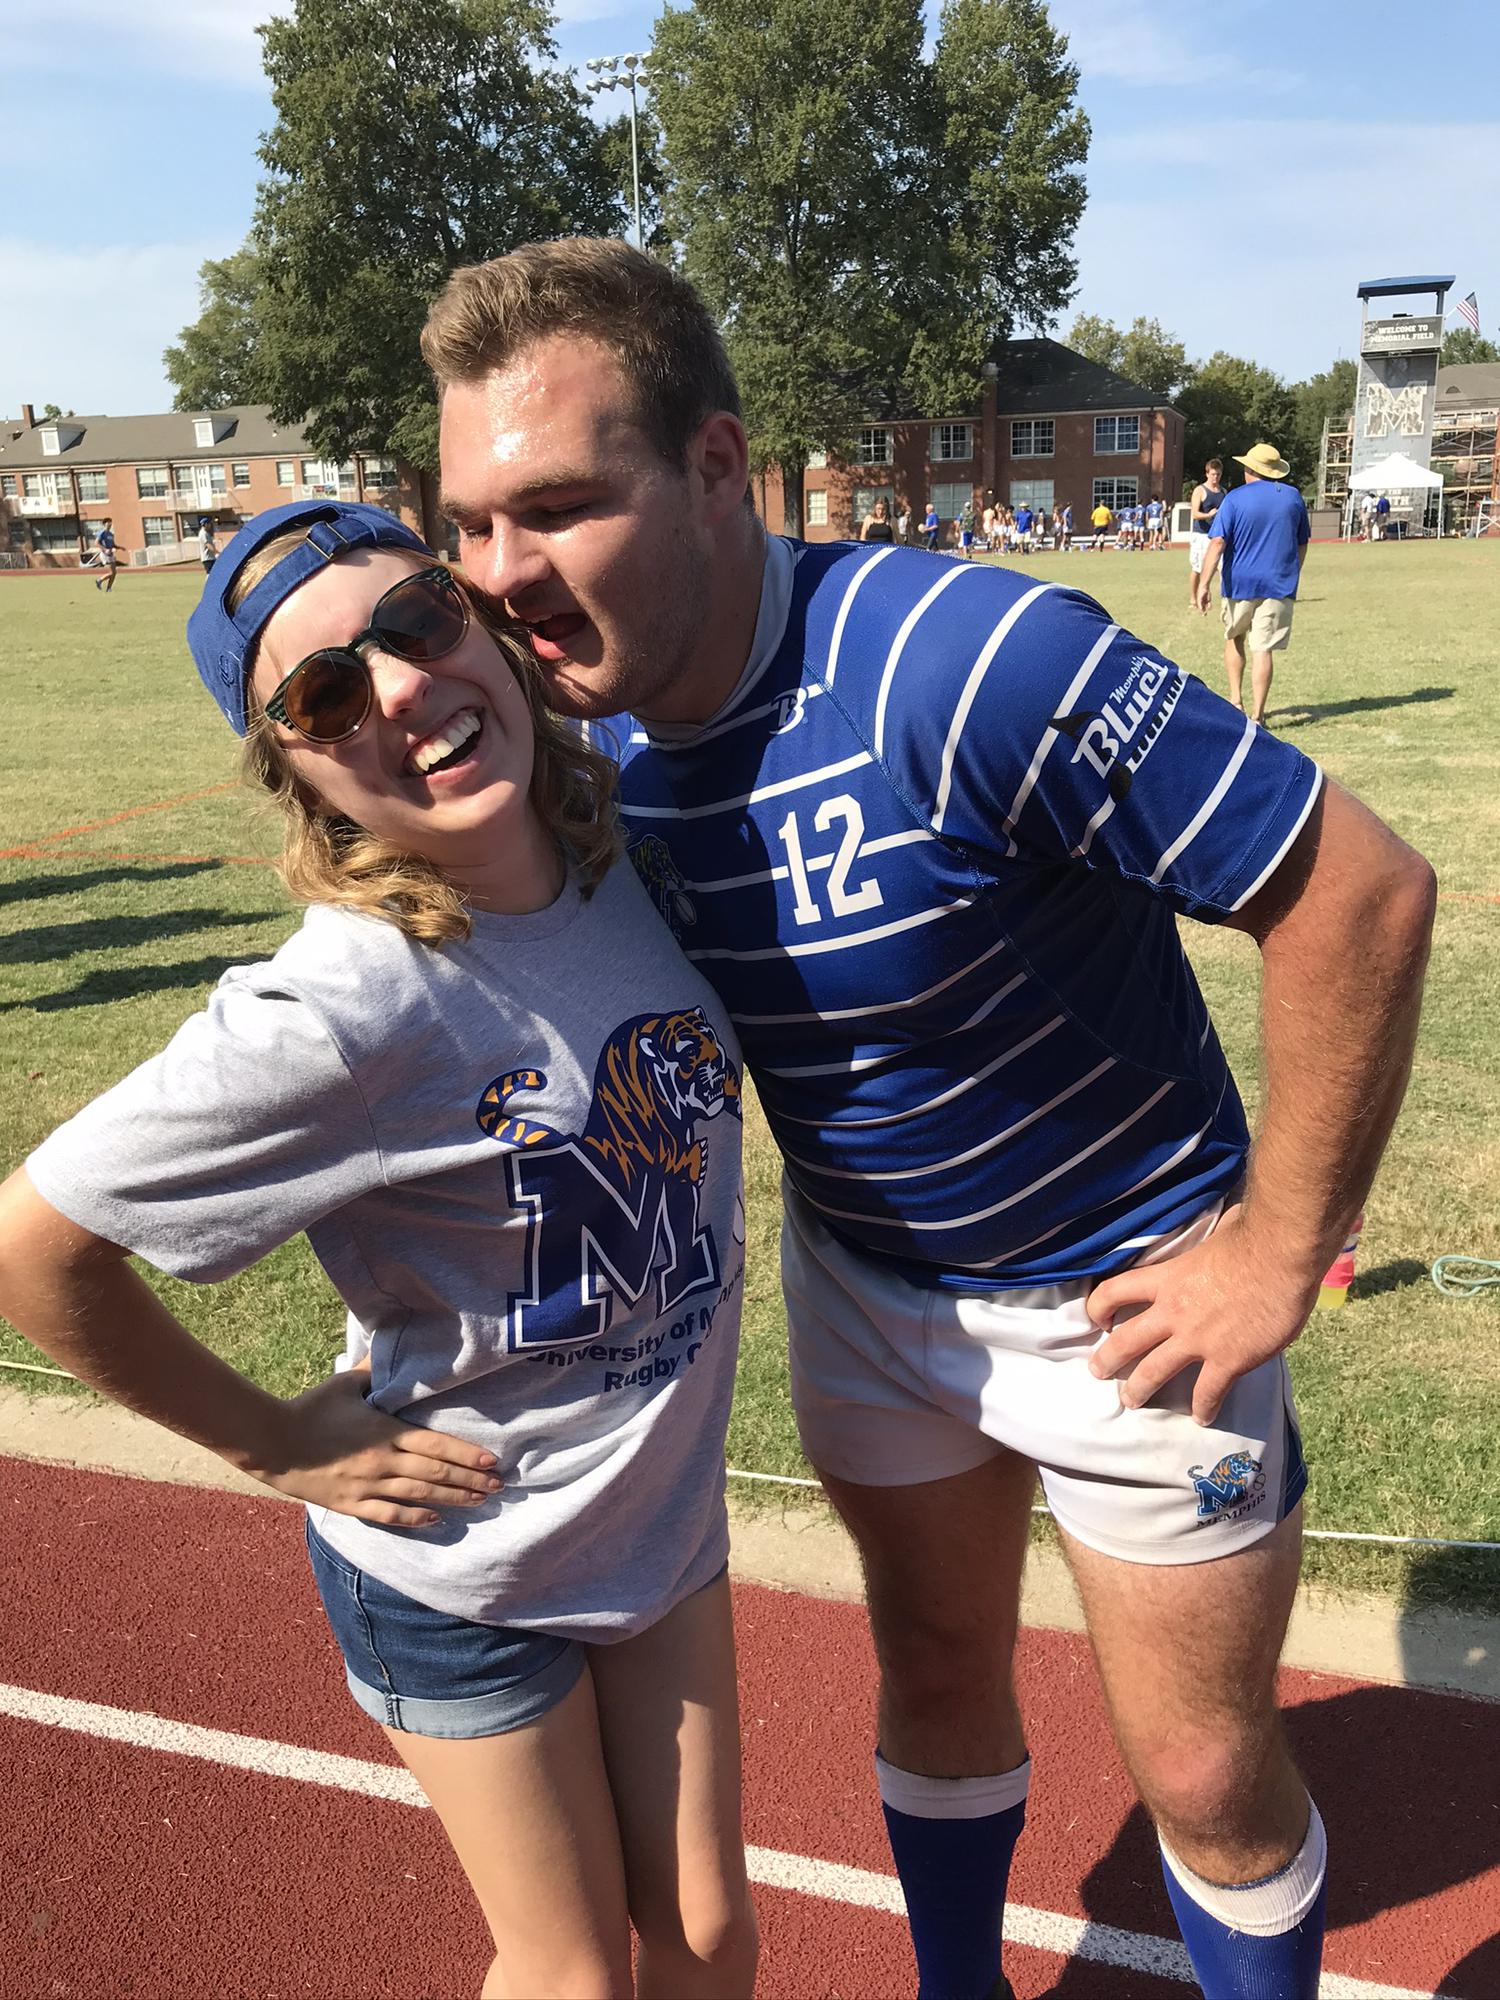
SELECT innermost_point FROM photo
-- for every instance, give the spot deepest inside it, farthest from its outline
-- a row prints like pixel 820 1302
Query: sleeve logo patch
pixel 1116 739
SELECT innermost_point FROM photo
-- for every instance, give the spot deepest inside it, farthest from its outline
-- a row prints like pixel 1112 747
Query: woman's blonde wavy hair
pixel 328 858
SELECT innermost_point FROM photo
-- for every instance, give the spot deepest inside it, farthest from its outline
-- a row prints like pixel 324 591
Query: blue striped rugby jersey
pixel 930 853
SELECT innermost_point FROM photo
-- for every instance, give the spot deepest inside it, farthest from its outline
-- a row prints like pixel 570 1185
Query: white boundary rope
pixel 785 1479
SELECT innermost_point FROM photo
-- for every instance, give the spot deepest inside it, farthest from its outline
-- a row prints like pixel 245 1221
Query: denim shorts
pixel 424 1671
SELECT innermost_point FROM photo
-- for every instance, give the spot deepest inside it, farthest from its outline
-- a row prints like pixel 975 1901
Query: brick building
pixel 1052 428
pixel 156 477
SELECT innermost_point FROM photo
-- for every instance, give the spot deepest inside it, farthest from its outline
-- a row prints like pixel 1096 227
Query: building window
pixel 1115 493
pixel 951 500
pixel 240 474
pixel 1034 437
pixel 817 461
pixel 18 538
pixel 159 530
pixel 1032 493
pixel 817 507
pixel 31 485
pixel 151 482
pixel 59 534
pixel 92 485
pixel 7 485
pixel 1117 434
pixel 952 441
pixel 284 472
pixel 875 445
pixel 380 472
pixel 864 498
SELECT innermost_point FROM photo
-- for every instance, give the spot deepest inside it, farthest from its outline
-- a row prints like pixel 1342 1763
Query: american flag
pixel 1469 309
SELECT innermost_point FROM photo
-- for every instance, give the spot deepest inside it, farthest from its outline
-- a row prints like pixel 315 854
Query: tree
pixel 1231 404
pixel 865 223
pixel 1327 397
pixel 1462 344
pixel 411 136
pixel 1145 353
pixel 215 363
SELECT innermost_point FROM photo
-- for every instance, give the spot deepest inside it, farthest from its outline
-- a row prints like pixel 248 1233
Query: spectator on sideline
pixel 966 530
pixel 1024 519
pixel 1087 793
pixel 987 522
pixel 1260 534
pixel 903 523
pixel 1099 521
pixel 1065 529
pixel 930 525
pixel 1366 511
pixel 104 542
pixel 1382 517
pixel 877 524
pixel 208 547
pixel 1207 498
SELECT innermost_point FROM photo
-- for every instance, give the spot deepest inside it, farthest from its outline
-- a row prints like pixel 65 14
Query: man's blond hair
pixel 597 288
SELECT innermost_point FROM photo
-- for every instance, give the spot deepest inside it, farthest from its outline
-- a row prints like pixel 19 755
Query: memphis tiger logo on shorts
pixel 613 1211
pixel 1230 1488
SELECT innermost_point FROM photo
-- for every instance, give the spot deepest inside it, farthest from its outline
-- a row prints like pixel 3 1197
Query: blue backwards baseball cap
pixel 222 641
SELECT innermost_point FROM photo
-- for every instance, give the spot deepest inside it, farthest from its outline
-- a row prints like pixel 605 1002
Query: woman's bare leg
pixel 532 1821
pixel 669 1719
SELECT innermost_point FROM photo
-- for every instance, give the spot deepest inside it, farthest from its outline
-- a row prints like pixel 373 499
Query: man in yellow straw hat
pixel 1260 534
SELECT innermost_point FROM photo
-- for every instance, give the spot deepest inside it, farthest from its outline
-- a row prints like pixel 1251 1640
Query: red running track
pixel 136 1872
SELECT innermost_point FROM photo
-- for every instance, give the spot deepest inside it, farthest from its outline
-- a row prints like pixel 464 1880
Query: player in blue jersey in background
pixel 927 826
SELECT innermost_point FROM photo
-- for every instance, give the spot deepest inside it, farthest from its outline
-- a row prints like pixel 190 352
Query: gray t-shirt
pixel 518 1159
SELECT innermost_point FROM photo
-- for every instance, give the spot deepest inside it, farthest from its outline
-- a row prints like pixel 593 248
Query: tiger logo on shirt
pixel 615 1209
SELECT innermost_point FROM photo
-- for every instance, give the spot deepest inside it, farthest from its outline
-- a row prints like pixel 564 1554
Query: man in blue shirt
pixel 104 542
pixel 928 827
pixel 1260 535
pixel 930 525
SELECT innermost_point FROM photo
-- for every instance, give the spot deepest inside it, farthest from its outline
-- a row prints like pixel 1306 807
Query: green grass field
pixel 117 912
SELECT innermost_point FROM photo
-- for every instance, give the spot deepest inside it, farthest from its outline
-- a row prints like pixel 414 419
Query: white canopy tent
pixel 1396 474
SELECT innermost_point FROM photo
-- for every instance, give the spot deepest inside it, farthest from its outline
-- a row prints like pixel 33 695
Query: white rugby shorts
pixel 895 1384
pixel 1197 550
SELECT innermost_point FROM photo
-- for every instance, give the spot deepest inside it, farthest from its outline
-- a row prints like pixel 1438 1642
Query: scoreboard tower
pixel 1396 399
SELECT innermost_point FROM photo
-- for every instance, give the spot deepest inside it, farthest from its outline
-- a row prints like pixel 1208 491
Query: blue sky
pixel 1252 161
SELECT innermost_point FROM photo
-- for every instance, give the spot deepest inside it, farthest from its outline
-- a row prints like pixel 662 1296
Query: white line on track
pixel 1046 1930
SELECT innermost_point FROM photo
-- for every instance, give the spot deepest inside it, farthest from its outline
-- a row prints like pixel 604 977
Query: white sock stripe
pixel 1268 1908
pixel 951 1798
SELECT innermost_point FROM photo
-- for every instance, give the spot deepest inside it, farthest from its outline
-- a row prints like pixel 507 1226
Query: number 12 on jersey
pixel 842 900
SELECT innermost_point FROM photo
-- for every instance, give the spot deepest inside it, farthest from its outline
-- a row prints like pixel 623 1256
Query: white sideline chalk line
pixel 833 1881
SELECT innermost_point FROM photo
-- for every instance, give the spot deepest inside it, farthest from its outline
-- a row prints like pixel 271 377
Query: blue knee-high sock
pixel 1262 1941
pixel 953 1839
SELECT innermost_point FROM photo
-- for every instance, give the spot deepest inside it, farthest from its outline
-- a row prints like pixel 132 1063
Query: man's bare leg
pixel 1234 669
pixel 1207 1751
pixel 943 1564
pixel 1261 667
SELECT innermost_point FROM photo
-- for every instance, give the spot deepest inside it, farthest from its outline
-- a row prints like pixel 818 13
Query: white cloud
pixel 85 328
pixel 210 40
pixel 1149 46
pixel 1262 256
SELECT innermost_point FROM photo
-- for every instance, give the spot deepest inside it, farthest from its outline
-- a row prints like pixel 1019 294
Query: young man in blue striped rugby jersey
pixel 928 826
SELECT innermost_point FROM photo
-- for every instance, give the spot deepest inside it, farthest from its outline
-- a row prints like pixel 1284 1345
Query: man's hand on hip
pixel 1222 1307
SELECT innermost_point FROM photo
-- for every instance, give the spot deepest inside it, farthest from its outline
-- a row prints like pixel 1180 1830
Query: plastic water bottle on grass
pixel 1335 1287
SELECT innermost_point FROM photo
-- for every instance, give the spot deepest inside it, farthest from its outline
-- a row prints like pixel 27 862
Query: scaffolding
pixel 1464 451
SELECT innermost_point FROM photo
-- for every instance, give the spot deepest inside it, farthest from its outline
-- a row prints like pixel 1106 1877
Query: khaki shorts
pixel 895 1384
pixel 1265 623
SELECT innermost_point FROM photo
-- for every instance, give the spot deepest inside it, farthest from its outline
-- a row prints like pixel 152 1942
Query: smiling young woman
pixel 478 1077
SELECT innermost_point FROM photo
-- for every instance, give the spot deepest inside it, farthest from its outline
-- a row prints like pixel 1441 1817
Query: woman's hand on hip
pixel 336 1450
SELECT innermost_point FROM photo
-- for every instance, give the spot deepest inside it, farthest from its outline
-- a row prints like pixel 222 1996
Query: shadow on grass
pixel 124 983
pixel 33 888
pixel 1393 1277
pixel 33 947
pixel 1365 704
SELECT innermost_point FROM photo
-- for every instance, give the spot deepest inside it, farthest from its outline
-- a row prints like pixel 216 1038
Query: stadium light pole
pixel 624 73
